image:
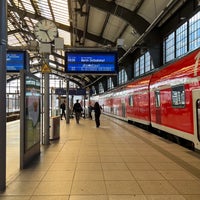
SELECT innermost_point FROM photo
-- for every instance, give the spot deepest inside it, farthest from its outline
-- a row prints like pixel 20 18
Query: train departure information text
pixel 99 62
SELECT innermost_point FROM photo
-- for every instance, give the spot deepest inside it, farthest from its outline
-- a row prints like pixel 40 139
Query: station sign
pixel 16 61
pixel 91 62
pixel 78 91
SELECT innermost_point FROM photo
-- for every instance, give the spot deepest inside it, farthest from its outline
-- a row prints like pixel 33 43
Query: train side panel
pixel 114 103
pixel 168 99
pixel 137 101
pixel 130 103
pixel 171 97
pixel 107 103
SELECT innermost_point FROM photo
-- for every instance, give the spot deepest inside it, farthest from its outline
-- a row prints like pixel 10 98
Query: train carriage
pixel 174 91
pixel 113 103
pixel 168 99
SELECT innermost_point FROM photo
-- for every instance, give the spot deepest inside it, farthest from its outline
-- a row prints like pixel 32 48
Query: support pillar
pixel 67 101
pixel 3 45
pixel 46 109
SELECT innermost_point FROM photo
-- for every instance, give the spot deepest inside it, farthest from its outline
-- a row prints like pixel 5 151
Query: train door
pixel 158 109
pixel 123 110
pixel 196 115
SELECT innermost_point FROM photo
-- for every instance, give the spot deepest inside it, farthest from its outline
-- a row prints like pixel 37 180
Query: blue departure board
pixel 15 61
pixel 91 62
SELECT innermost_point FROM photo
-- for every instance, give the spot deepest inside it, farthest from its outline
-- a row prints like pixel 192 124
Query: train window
pixel 157 98
pixel 178 96
pixel 130 99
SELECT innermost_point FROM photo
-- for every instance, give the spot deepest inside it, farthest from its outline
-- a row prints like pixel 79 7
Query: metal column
pixel 67 101
pixel 3 44
pixel 46 108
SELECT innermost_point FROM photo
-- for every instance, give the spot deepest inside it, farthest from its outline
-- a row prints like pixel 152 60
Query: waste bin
pixel 54 128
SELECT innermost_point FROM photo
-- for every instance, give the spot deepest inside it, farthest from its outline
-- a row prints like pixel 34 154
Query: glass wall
pixel 143 65
pixel 184 39
pixel 170 47
pixel 101 88
pixel 194 32
pixel 181 40
pixel 110 83
pixel 13 92
pixel 13 96
pixel 122 77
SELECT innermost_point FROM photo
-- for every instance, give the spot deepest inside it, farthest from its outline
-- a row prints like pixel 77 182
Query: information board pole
pixel 72 103
pixel 67 101
pixel 3 45
pixel 46 106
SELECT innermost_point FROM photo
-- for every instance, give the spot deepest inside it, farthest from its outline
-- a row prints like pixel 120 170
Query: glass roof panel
pixel 10 26
pixel 17 4
pixel 15 40
pixel 43 8
pixel 65 35
pixel 28 6
pixel 54 10
pixel 22 21
pixel 9 2
pixel 12 41
pixel 60 16
pixel 29 23
pixel 20 38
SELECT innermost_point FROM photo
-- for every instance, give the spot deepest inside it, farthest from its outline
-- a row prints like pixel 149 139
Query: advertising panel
pixel 32 110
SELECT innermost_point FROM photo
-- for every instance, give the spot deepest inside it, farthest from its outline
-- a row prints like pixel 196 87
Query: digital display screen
pixel 15 61
pixel 91 62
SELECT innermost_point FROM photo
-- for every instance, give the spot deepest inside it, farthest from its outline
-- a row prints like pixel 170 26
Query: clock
pixel 45 31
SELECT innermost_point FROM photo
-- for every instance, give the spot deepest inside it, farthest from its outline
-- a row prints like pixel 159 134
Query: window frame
pixel 131 100
pixel 157 99
pixel 178 101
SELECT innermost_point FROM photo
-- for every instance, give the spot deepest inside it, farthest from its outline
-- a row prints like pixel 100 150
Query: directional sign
pixel 60 91
pixel 72 91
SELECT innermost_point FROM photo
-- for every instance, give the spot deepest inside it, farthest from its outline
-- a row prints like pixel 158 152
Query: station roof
pixel 83 24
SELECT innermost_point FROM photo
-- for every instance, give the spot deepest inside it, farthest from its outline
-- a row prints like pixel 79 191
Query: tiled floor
pixel 114 162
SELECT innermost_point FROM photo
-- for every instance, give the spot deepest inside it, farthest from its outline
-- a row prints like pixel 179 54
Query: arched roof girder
pixel 136 21
pixel 89 36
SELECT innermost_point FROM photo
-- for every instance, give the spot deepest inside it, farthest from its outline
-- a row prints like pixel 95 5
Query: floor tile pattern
pixel 117 161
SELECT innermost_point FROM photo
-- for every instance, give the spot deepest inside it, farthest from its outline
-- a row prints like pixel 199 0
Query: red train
pixel 168 99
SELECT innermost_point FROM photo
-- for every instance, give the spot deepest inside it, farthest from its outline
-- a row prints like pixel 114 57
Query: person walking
pixel 62 106
pixel 77 109
pixel 90 108
pixel 97 110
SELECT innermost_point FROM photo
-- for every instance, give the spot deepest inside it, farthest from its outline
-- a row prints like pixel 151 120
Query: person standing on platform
pixel 97 110
pixel 62 107
pixel 90 108
pixel 77 109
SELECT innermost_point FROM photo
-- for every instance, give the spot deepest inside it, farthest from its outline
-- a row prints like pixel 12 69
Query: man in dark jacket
pixel 77 109
pixel 62 107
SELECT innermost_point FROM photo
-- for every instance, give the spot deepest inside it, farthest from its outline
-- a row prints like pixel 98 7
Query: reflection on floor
pixel 114 162
pixel 12 149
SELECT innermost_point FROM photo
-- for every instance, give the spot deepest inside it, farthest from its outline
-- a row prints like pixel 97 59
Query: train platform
pixel 116 161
